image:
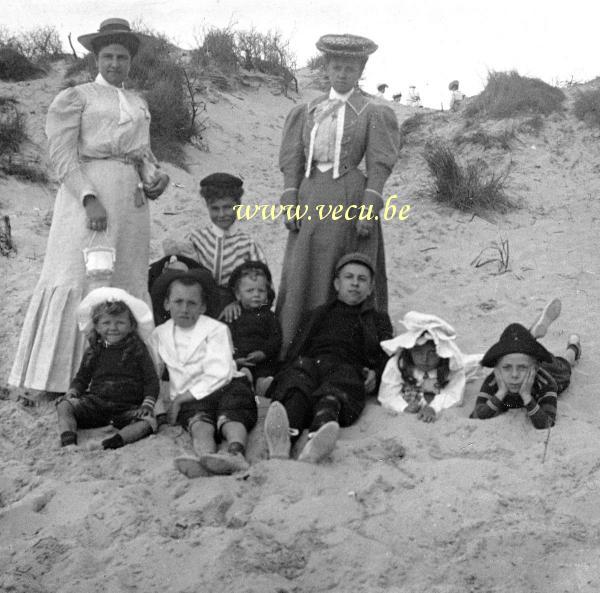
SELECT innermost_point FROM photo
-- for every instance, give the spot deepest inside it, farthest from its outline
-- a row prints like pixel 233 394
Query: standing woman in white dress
pixel 93 132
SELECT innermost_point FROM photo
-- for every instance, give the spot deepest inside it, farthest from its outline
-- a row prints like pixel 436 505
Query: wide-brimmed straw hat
pixel 347 45
pixel 140 310
pixel 110 28
pixel 515 339
pixel 453 86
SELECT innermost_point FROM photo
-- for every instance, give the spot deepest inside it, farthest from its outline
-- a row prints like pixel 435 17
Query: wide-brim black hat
pixel 515 339
pixel 159 289
pixel 347 45
pixel 110 28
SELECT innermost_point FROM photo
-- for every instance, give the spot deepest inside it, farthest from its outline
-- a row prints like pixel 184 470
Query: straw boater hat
pixel 515 339
pixel 138 308
pixel 346 45
pixel 113 27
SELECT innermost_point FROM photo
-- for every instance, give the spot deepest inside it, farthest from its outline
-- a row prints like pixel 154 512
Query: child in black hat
pixel 525 374
pixel 221 246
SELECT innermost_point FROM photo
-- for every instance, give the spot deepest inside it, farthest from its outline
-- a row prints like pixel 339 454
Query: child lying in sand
pixel 525 374
pixel 116 382
pixel 427 372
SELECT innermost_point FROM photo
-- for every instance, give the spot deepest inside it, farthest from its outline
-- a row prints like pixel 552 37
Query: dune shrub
pixel 317 63
pixel 220 46
pixel 12 136
pixel 587 107
pixel 469 188
pixel 86 64
pixel 12 126
pixel 16 67
pixel 508 94
pixel 41 44
pixel 158 74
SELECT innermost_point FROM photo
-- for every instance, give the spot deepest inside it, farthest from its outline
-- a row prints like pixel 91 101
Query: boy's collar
pixel 222 233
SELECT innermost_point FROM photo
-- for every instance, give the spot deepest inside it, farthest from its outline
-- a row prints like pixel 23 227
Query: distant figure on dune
pixel 99 144
pixel 457 96
pixel 397 97
pixel 322 146
pixel 414 99
pixel 381 91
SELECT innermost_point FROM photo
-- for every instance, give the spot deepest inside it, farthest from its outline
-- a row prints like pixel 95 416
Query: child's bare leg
pixel 203 437
pixel 203 443
pixel 548 315
pixel 67 424
pixel 236 435
pixel 235 432
pixel 128 434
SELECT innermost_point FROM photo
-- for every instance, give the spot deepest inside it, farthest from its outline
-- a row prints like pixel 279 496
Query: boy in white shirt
pixel 208 396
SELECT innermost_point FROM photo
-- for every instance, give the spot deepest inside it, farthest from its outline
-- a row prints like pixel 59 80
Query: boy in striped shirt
pixel 220 247
pixel 525 374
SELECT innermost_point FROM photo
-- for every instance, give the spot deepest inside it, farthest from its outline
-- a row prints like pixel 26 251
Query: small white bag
pixel 99 263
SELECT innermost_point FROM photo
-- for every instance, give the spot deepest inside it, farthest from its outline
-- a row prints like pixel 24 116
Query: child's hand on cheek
pixel 502 388
pixel 527 385
pixel 426 414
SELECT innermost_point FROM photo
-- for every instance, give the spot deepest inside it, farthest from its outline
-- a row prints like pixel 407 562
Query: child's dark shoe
pixel 68 438
pixel 277 432
pixel 549 314
pixel 114 442
pixel 574 343
pixel 321 444
pixel 190 467
pixel 224 464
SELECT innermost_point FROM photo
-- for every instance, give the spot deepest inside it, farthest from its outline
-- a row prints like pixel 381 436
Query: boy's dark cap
pixel 515 339
pixel 223 181
pixel 355 258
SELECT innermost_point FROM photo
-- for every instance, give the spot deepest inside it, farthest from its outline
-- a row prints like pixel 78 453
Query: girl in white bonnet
pixel 427 372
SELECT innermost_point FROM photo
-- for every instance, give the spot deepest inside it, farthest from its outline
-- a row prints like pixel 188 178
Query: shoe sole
pixel 321 444
pixel 190 467
pixel 223 464
pixel 549 314
pixel 277 432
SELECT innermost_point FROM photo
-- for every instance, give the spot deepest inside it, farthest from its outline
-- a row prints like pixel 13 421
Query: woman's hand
pixel 370 380
pixel 95 212
pixel 364 228
pixel 158 187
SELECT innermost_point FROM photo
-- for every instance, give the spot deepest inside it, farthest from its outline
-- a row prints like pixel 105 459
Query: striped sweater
pixel 541 409
pixel 220 251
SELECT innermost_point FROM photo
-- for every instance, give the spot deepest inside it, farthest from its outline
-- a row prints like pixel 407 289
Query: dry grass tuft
pixel 508 94
pixel 468 188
